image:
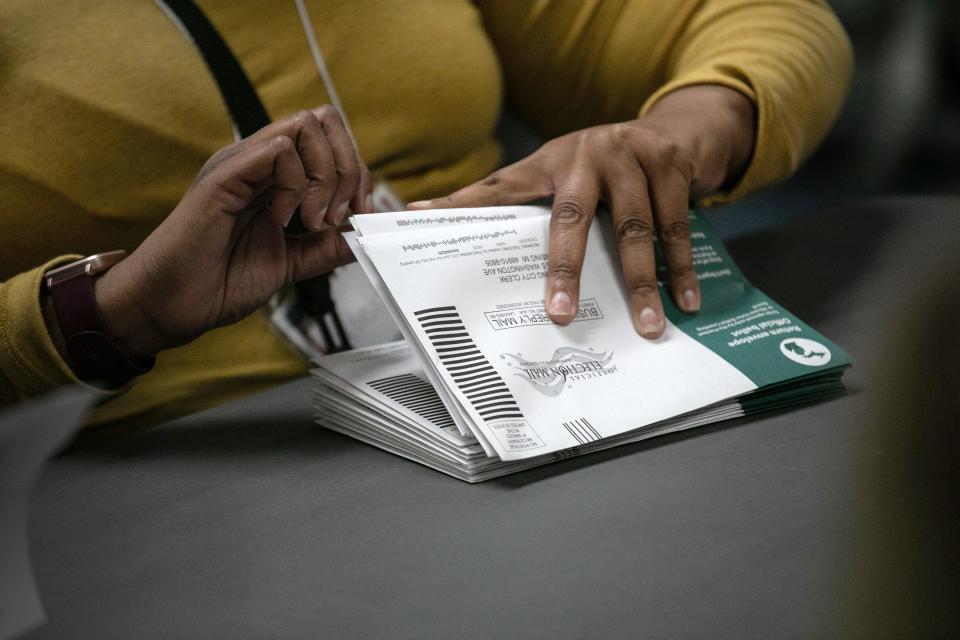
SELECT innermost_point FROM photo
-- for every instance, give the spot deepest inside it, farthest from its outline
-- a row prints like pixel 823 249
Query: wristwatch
pixel 95 355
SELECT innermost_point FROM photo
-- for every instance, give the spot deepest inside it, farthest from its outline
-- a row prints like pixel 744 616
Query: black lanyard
pixel 249 115
pixel 243 103
pixel 245 107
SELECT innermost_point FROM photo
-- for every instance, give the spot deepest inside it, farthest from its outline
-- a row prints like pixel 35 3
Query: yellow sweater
pixel 108 113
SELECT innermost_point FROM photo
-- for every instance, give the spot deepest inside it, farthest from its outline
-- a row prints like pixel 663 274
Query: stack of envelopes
pixel 485 384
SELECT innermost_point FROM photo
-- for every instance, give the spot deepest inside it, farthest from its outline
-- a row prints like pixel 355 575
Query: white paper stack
pixel 485 384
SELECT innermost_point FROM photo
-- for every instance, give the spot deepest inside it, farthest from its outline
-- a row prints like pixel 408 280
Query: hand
pixel 693 142
pixel 222 252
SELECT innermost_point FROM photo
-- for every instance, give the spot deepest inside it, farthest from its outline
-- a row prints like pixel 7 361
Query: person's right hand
pixel 222 252
pixel 693 141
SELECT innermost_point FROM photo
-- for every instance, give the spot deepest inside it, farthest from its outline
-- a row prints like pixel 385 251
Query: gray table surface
pixel 248 520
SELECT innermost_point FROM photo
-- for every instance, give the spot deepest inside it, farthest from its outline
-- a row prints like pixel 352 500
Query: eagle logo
pixel 550 377
pixel 806 352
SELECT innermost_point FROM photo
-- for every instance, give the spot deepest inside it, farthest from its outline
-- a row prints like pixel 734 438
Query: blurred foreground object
pixel 907 572
pixel 900 128
pixel 29 435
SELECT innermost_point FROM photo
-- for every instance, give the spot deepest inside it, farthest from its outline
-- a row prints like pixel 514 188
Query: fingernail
pixel 561 304
pixel 341 213
pixel 420 204
pixel 320 218
pixel 690 301
pixel 368 203
pixel 649 321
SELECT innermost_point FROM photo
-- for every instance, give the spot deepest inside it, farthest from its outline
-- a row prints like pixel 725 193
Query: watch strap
pixel 71 298
pixel 95 354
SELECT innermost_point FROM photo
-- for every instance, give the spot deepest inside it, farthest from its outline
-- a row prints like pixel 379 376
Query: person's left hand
pixel 694 141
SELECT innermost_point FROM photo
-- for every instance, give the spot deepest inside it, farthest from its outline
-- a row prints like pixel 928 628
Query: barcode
pixel 455 219
pixel 582 430
pixel 470 369
pixel 417 395
pixel 448 242
pixel 566 453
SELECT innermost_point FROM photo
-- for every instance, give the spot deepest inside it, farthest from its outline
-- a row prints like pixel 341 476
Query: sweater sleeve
pixel 30 364
pixel 572 65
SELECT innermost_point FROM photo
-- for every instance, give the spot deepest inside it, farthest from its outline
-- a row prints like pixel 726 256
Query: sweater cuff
pixel 755 174
pixel 28 358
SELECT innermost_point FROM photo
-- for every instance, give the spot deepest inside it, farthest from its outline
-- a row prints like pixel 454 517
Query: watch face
pixel 94 357
pixel 89 347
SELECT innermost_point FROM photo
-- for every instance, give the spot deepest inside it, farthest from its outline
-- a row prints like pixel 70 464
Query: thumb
pixel 314 254
pixel 519 183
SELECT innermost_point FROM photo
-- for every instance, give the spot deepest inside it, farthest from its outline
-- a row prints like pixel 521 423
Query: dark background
pixel 899 131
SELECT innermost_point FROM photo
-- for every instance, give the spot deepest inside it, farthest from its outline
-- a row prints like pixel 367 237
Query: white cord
pixel 175 20
pixel 314 50
pixel 322 66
